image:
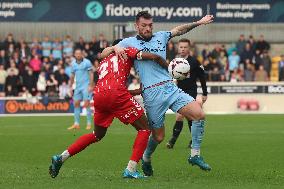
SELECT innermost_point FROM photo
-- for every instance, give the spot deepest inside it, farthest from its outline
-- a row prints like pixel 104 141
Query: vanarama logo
pixel 94 9
pixel 14 106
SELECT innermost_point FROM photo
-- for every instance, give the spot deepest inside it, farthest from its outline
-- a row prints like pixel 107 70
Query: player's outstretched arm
pixel 119 51
pixel 107 51
pixel 150 56
pixel 182 29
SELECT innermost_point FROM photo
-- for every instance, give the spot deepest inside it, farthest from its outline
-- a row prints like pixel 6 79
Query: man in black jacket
pixel 189 86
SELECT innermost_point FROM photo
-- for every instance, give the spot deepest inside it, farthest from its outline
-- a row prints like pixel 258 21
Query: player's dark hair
pixel 143 14
pixel 184 40
pixel 115 42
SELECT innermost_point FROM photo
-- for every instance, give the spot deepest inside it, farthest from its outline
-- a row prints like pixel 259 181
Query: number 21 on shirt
pixel 103 68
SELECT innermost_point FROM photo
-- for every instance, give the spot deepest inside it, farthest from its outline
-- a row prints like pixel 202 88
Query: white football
pixel 179 68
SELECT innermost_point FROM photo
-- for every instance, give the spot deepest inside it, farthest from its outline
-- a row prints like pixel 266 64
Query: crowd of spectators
pixel 42 67
pixel 246 60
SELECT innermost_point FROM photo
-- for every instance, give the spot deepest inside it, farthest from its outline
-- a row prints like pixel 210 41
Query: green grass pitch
pixel 245 151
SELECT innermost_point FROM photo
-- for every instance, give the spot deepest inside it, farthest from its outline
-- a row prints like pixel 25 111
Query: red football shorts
pixel 119 103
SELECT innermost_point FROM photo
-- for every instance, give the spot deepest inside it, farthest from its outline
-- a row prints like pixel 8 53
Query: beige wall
pixel 269 103
pixel 211 33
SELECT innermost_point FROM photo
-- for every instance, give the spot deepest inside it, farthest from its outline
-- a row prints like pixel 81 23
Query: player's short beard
pixel 145 37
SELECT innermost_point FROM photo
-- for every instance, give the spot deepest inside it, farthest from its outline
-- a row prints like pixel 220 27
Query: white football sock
pixel 195 152
pixel 65 155
pixel 132 166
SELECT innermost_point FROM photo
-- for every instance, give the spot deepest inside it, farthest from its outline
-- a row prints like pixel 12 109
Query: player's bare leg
pixel 89 114
pixel 77 110
pixel 79 145
pixel 155 139
pixel 193 111
pixel 139 146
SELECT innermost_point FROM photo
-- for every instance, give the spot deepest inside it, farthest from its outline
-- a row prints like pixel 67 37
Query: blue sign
pixel 225 11
pixel 2 106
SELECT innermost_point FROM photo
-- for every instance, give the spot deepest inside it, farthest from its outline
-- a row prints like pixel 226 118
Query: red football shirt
pixel 113 72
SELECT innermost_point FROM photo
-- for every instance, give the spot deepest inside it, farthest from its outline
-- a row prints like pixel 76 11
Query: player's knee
pixel 179 117
pixel 77 104
pixel 199 115
pixel 159 138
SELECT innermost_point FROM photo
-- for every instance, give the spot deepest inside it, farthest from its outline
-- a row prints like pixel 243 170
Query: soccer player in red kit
pixel 112 99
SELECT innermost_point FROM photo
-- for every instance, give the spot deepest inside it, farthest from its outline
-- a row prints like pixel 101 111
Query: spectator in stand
pixel 247 53
pixel 92 43
pixel 262 44
pixel 47 68
pixel 235 76
pixel 13 67
pixel 215 74
pixel 100 44
pixel 46 47
pixel 62 76
pixel 214 70
pixel 3 75
pixel 261 74
pixel 206 67
pixel 234 61
pixel 252 43
pixel 64 90
pixel 57 49
pixel 240 44
pixel 68 69
pixel 68 46
pixel 52 84
pixel 16 57
pixel 26 93
pixel 223 61
pixel 266 62
pixel 193 49
pixel 257 59
pixel 171 51
pixel 80 44
pixel 25 51
pixel 52 60
pixel 11 50
pixel 4 59
pixel 35 47
pixel 41 83
pixel 23 65
pixel 224 50
pixel 215 54
pixel 88 53
pixel 281 68
pixel 30 81
pixel 35 65
pixel 249 71
pixel 45 61
pixel 9 41
pixel 11 84
pixel 205 52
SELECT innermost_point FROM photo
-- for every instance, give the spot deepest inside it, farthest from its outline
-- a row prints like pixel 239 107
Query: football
pixel 179 68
